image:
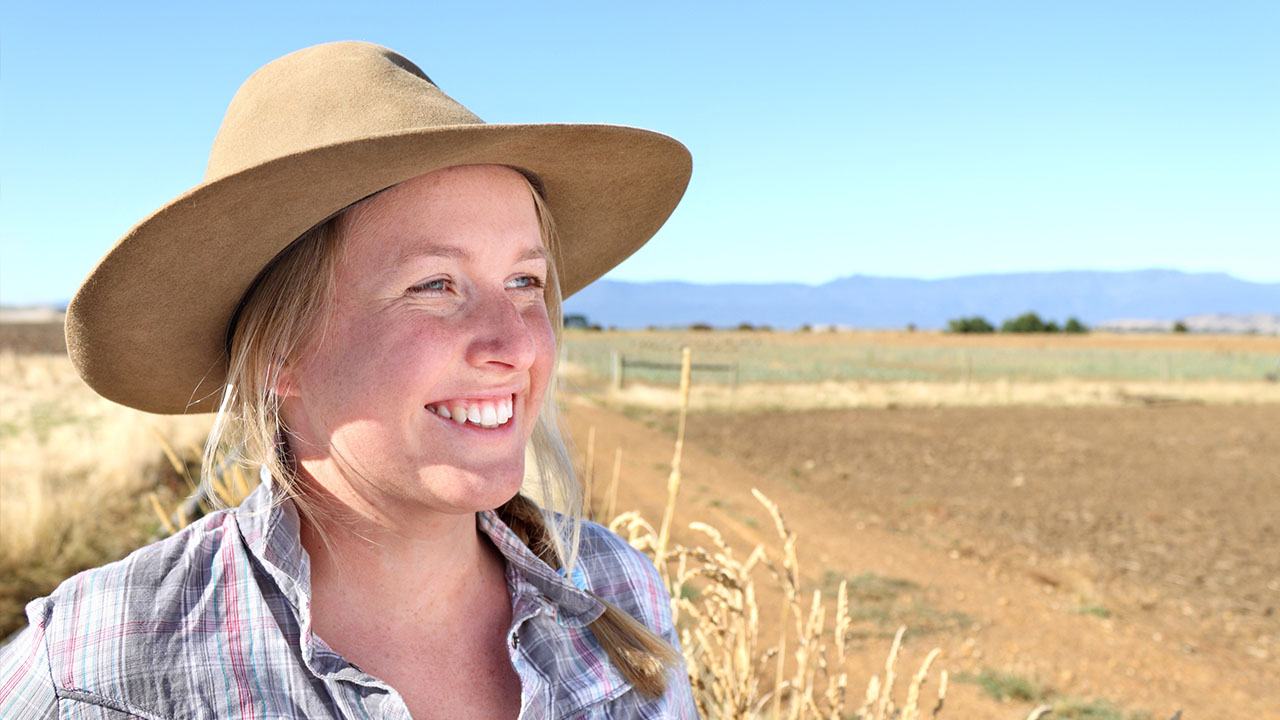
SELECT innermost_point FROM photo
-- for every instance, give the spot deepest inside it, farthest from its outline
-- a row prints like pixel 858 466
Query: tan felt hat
pixel 306 136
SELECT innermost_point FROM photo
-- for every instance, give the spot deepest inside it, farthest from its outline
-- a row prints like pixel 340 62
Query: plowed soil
pixel 1120 553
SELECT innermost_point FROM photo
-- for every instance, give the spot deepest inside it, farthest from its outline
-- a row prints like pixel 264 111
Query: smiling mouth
pixel 487 414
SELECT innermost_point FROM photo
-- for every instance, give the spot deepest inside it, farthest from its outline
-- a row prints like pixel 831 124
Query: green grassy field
pixel 776 357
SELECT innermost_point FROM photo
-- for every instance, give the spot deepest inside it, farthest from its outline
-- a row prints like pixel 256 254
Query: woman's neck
pixel 389 557
pixel 426 613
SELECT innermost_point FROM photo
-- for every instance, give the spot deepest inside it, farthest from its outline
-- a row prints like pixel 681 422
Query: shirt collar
pixel 270 526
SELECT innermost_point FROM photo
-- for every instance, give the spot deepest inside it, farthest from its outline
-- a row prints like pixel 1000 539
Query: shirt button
pixel 515 640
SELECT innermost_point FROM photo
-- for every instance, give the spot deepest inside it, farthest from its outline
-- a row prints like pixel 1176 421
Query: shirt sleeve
pixel 26 681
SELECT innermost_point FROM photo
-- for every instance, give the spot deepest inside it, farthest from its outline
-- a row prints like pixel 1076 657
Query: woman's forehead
pixel 449 208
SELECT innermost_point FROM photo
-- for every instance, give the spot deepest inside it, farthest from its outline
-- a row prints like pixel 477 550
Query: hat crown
pixel 323 95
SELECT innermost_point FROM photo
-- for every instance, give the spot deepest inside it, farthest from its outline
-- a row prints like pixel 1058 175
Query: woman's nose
pixel 500 336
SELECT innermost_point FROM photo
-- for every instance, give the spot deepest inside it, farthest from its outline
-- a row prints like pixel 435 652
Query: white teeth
pixel 486 414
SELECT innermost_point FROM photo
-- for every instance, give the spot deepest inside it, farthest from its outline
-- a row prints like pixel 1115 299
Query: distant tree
pixel 1024 323
pixel 911 327
pixel 1075 326
pixel 1180 327
pixel 1052 326
pixel 700 327
pixel 975 324
pixel 576 321
pixel 746 326
pixel 806 328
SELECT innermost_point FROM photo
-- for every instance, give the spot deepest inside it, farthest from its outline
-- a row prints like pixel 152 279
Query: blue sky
pixel 918 139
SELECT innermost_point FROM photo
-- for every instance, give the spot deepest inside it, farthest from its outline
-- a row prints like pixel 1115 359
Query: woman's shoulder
pixel 620 574
pixel 137 582
pixel 110 611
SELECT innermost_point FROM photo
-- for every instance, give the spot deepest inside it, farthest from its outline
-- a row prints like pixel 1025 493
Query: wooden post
pixel 615 360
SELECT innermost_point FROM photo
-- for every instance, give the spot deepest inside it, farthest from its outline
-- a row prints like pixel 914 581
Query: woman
pixel 367 289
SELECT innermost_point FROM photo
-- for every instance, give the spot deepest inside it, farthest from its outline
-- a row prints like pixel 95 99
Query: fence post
pixel 615 361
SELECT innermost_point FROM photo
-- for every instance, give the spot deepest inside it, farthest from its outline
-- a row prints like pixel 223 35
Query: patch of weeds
pixel 1005 686
pixel 1096 709
pixel 718 503
pixel 688 592
pixel 873 587
pixel 43 418
pixel 1093 609
pixel 887 602
pixel 750 522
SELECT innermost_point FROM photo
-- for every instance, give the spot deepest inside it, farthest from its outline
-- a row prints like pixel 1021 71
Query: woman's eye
pixel 526 281
pixel 431 286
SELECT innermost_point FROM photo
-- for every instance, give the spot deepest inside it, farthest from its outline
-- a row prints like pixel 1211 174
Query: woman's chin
pixel 481 491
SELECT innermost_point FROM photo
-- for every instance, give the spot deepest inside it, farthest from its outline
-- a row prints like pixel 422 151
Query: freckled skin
pixel 387 351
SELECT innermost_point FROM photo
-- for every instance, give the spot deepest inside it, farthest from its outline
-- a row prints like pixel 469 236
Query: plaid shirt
pixel 215 622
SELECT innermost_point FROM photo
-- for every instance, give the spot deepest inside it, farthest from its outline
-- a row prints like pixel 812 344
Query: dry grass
pixel 75 471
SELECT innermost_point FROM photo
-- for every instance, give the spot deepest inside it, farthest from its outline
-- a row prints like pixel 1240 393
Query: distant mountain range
pixel 1137 299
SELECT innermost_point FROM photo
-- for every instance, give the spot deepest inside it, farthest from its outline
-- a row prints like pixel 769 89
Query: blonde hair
pixel 285 308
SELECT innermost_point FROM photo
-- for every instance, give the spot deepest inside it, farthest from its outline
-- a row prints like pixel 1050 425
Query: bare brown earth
pixel 1119 553
pixel 33 337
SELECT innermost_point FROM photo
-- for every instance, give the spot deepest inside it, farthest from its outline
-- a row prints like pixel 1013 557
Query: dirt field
pixel 1121 553
pixel 33 337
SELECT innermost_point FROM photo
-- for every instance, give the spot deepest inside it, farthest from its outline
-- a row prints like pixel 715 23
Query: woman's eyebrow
pixel 536 252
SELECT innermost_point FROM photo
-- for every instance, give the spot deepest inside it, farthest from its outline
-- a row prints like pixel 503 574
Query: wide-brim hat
pixel 306 136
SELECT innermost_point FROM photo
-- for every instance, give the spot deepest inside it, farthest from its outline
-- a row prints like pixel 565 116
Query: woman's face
pixel 426 380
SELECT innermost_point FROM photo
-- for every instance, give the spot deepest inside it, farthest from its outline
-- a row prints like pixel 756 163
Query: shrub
pixel 1026 323
pixel 975 324
pixel 1075 326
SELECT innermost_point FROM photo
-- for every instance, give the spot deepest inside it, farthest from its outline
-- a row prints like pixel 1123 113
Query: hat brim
pixel 147 327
